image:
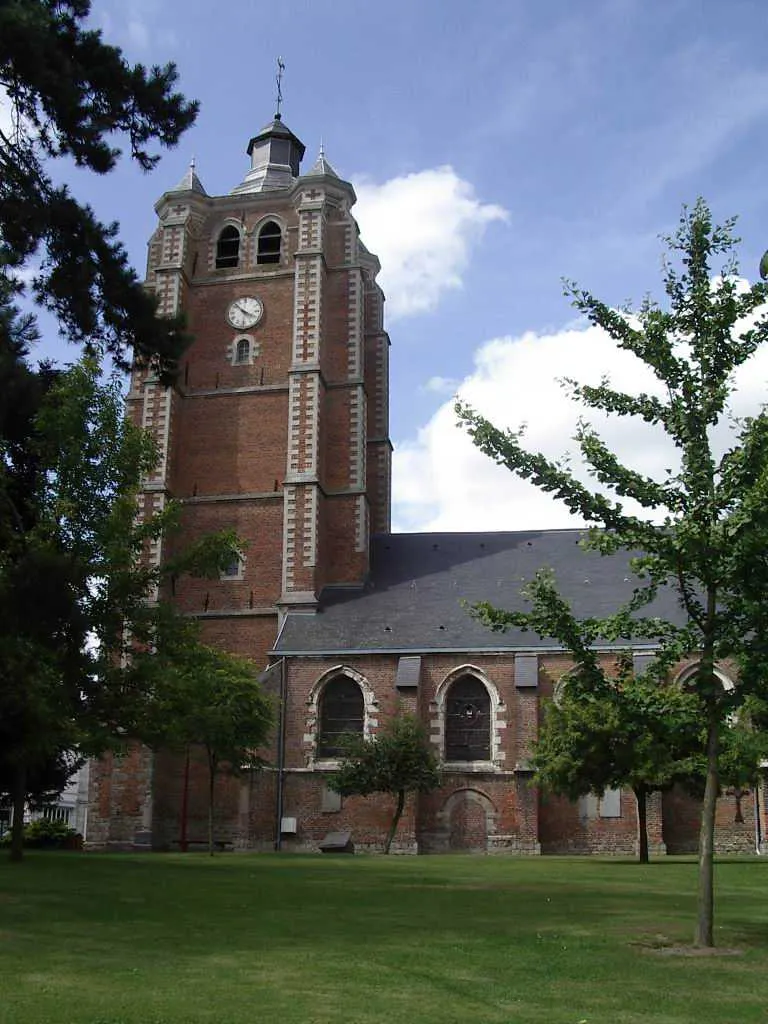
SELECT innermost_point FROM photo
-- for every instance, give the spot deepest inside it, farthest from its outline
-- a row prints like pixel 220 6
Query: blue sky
pixel 496 148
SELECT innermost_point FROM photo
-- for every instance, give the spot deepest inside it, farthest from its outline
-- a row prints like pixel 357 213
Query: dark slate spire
pixel 190 182
pixel 275 157
pixel 322 166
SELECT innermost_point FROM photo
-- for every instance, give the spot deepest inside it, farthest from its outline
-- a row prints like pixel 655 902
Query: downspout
pixel 280 757
pixel 758 830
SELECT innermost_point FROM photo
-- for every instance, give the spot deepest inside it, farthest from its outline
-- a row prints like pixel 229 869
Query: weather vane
pixel 279 80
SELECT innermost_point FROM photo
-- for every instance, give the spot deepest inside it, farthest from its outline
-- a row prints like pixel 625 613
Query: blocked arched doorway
pixel 468 817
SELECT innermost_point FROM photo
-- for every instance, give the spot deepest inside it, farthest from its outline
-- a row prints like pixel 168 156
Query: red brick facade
pixel 290 448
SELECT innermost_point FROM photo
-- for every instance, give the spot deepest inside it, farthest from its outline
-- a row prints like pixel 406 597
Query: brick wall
pixel 120 789
pixel 682 820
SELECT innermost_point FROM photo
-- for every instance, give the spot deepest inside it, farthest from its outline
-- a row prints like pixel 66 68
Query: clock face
pixel 245 312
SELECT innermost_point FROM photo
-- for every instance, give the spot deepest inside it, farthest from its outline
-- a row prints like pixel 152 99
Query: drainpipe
pixel 281 756
pixel 758 830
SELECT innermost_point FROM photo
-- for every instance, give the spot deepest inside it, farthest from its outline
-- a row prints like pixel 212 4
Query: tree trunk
pixel 641 796
pixel 395 819
pixel 18 797
pixel 211 782
pixel 705 910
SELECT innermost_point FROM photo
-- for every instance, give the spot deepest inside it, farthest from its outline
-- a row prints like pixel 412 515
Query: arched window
pixel 268 244
pixel 243 351
pixel 228 248
pixel 341 712
pixel 468 721
pixel 687 679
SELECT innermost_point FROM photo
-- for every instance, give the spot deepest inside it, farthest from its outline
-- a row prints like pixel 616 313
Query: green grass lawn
pixel 171 939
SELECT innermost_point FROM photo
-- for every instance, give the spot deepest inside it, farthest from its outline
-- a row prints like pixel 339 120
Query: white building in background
pixel 71 806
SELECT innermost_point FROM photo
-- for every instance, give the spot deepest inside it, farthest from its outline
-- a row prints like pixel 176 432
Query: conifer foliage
pixel 66 94
pixel 74 589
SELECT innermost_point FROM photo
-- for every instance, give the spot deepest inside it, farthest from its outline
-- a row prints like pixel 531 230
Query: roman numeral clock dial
pixel 245 312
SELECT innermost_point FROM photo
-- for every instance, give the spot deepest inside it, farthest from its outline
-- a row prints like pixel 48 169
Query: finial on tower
pixel 279 80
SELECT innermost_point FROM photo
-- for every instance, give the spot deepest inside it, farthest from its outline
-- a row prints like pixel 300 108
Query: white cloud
pixel 441 386
pixel 442 482
pixel 137 27
pixel 422 227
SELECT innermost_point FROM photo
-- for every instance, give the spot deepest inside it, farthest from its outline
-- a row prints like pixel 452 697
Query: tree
pixel 397 760
pixel 201 696
pixel 46 783
pixel 75 588
pixel 743 749
pixel 612 729
pixel 71 96
pixel 709 537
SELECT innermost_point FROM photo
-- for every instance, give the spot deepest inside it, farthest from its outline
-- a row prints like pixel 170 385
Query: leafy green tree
pixel 73 97
pixel 75 589
pixel 203 697
pixel 709 535
pixel 609 728
pixel 743 748
pixel 397 760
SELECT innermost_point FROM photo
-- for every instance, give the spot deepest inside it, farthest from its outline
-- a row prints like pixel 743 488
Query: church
pixel 278 428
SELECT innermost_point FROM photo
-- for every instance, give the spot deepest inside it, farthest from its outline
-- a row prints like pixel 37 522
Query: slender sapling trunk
pixel 395 819
pixel 705 914
pixel 641 796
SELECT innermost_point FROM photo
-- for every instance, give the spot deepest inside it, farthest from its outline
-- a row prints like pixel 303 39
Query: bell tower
pixel 278 424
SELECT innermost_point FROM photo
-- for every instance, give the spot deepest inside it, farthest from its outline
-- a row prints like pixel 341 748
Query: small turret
pixel 190 182
pixel 322 166
pixel 275 154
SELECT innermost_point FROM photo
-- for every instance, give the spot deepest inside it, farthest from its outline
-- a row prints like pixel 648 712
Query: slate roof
pixel 190 182
pixel 412 601
pixel 276 127
pixel 321 166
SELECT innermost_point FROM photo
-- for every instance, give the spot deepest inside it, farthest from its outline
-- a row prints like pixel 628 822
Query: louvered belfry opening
pixel 468 721
pixel 341 713
pixel 228 248
pixel 268 246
